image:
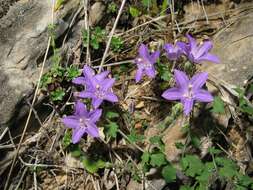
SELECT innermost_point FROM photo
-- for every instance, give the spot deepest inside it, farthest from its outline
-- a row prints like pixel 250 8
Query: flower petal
pixel 95 115
pixel 172 94
pixel 92 130
pixel 77 135
pixel 143 51
pixel 184 47
pixel 198 80
pixel 80 109
pixel 154 57
pixel 96 102
pixel 138 75
pixel 203 96
pixel 86 94
pixel 111 97
pixel 192 41
pixel 102 76
pixel 181 78
pixel 79 80
pixel 150 72
pixel 89 74
pixel 188 105
pixel 204 48
pixel 209 57
pixel 71 121
pixel 107 84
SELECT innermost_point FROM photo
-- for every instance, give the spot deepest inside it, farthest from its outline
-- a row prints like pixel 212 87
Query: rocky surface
pixel 234 46
pixel 23 41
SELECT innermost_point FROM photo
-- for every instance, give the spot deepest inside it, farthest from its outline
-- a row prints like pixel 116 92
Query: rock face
pixel 234 46
pixel 23 40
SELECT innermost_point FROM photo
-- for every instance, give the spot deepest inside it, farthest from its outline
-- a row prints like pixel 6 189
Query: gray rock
pixel 23 41
pixel 234 46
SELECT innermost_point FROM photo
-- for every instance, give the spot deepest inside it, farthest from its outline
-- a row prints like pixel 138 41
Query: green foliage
pixel 111 115
pixel 92 165
pixel 66 141
pixel 218 105
pixel 192 165
pixel 97 36
pixel 134 12
pixel 111 129
pixel 58 94
pixel 147 3
pixel 116 44
pixel 243 103
pixel 133 137
pixel 164 71
pixel 145 158
pixel 72 72
pixel 157 159
pixel 169 173
pixel 165 6
pixel 157 140
pixel 112 8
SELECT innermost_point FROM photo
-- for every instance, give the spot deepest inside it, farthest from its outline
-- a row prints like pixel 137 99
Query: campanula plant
pixel 145 62
pixel 188 90
pixel 82 121
pixel 174 51
pixel 197 53
pixel 97 87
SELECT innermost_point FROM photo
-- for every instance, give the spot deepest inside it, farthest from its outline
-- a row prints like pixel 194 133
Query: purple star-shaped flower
pixel 197 53
pixel 173 52
pixel 82 122
pixel 98 87
pixel 188 91
pixel 88 74
pixel 145 62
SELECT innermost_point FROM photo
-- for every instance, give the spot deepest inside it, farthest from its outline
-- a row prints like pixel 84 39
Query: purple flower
pixel 145 63
pixel 174 51
pixel 188 91
pixel 82 122
pixel 98 87
pixel 197 53
pixel 89 73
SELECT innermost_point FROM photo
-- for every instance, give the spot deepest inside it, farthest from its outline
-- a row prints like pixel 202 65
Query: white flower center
pixel 189 92
pixel 83 122
pixel 100 94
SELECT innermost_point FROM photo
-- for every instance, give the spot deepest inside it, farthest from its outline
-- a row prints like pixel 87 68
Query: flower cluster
pixel 97 87
pixel 187 90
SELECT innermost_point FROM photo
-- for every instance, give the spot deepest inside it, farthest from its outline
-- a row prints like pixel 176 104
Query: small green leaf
pixel 66 141
pixel 75 150
pixel 134 137
pixel 192 165
pixel 157 159
pixel 72 72
pixel 145 157
pixel 214 151
pixel 111 115
pixel 111 129
pixel 57 95
pixel 92 166
pixel 116 44
pixel 169 173
pixel 134 11
pixel 179 145
pixel 147 3
pixel 218 105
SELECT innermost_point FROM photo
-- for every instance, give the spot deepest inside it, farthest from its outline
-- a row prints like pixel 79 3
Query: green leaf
pixel 192 165
pixel 145 157
pixel 195 141
pixel 116 44
pixel 227 167
pixel 134 137
pixel 66 141
pixel 72 72
pixel 92 166
pixel 186 188
pixel 57 95
pixel 111 129
pixel 218 105
pixel 214 151
pixel 75 150
pixel 134 11
pixel 164 71
pixel 111 115
pixel 147 3
pixel 179 145
pixel 157 159
pixel 169 173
